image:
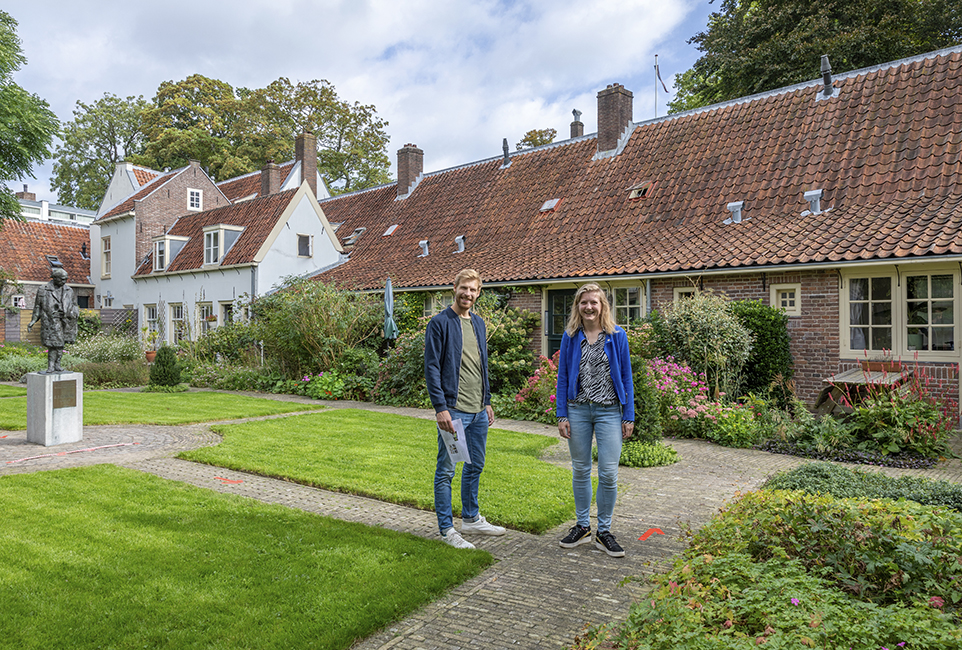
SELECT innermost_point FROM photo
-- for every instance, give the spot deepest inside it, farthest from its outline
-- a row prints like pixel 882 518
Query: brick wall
pixel 157 212
pixel 531 302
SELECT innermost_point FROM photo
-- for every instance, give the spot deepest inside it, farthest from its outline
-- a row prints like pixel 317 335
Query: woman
pixel 594 395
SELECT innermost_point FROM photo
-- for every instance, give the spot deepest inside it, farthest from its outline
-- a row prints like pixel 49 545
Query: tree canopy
pixel 753 46
pixel 536 138
pixel 27 125
pixel 100 135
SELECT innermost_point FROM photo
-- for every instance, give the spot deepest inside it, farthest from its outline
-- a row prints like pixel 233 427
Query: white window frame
pixel 791 306
pixel 204 310
pixel 310 245
pixel 160 255
pixel 623 311
pixel 680 293
pixel 435 303
pixel 212 246
pixel 178 326
pixel 18 301
pixel 195 200
pixel 105 257
pixel 227 314
pixel 901 345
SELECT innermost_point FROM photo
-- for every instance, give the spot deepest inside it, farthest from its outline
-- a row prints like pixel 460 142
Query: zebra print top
pixel 594 374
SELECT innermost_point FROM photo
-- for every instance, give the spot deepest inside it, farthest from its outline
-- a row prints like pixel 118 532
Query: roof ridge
pixel 249 174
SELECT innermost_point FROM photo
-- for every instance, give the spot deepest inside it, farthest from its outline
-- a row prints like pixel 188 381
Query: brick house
pixel 839 200
pixel 179 249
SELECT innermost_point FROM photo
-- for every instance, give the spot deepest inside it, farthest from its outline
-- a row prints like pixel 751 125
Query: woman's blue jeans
pixel 476 434
pixel 605 423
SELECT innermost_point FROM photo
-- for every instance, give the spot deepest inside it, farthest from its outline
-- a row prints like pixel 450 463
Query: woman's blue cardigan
pixel 619 362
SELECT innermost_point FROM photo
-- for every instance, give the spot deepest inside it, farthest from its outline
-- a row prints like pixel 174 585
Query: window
pixel 227 312
pixel 208 319
pixel 212 247
pixel 160 255
pixel 195 199
pixel 680 293
pixel 870 313
pixel 19 302
pixel 150 323
pixel 930 310
pixel 787 297
pixel 304 247
pixel 436 303
pixel 178 327
pixel 626 305
pixel 105 257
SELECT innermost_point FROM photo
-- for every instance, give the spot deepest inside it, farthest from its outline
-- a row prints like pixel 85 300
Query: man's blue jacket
pixel 442 358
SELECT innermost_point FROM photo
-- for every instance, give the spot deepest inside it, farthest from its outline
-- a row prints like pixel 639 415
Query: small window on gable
pixel 787 297
pixel 640 191
pixel 304 246
pixel 683 293
pixel 195 199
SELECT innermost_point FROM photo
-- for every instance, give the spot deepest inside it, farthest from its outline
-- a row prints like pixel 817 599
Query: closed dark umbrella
pixel 390 327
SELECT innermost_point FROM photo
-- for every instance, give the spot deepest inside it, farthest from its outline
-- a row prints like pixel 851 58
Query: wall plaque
pixel 64 394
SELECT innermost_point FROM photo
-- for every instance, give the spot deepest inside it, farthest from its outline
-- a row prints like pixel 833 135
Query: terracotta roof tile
pixel 127 205
pixel 257 216
pixel 249 185
pixel 887 153
pixel 145 175
pixel 24 245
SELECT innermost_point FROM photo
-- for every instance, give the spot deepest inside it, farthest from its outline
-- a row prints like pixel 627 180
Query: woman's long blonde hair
pixel 574 321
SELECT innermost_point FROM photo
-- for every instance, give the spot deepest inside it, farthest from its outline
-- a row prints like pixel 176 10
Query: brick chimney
pixel 410 164
pixel 305 152
pixel 25 195
pixel 270 179
pixel 577 126
pixel 614 115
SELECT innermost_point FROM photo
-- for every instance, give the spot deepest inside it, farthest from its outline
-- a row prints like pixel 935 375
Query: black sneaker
pixel 605 541
pixel 576 536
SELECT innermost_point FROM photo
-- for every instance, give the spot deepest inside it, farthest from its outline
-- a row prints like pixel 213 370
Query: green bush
pixel 88 324
pixel 323 385
pixel 841 482
pixel 231 377
pixel 508 330
pixel 165 370
pixel 232 343
pixel 649 421
pixel 637 453
pixel 400 378
pixel 15 366
pixel 771 355
pixel 409 311
pixel 358 369
pixel 113 374
pixel 535 402
pixel 105 348
pixel 702 332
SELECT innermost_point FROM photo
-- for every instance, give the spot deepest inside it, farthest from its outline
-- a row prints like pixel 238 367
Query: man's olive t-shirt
pixel 470 385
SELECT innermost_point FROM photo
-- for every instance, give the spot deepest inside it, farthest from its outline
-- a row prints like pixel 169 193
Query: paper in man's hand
pixel 455 443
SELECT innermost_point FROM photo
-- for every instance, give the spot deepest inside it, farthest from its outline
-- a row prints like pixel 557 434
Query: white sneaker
pixel 453 538
pixel 480 527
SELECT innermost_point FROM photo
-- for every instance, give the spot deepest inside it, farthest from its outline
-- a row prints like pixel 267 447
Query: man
pixel 456 372
pixel 56 309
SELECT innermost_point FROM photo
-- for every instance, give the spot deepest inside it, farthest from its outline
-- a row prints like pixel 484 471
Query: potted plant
pixel 150 344
pixel 884 363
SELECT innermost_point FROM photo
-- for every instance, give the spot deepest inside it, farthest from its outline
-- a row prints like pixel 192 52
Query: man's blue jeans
pixel 605 423
pixel 476 434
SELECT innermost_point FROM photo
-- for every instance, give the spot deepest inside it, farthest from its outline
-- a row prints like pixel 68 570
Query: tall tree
pixel 536 138
pixel 27 125
pixel 752 46
pixel 100 135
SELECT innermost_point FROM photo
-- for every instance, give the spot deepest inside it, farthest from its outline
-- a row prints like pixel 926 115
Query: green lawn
pixel 105 557
pixel 110 407
pixel 12 391
pixel 392 458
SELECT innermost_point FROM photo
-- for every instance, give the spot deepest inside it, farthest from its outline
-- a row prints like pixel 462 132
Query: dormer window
pixel 166 248
pixel 195 200
pixel 218 240
pixel 212 247
pixel 160 255
pixel 54 262
pixel 640 191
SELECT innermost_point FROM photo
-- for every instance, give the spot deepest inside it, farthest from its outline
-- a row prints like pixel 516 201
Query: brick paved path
pixel 537 595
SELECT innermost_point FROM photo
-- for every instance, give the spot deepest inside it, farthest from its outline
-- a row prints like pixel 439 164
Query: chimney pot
pixel 270 179
pixel 577 126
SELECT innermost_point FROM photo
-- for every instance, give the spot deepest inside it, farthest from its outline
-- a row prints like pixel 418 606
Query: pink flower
pixel 936 602
pixel 552 398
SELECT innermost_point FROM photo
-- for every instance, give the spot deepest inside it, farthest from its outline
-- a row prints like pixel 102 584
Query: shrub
pixel 409 311
pixel 112 374
pixel 841 482
pixel 702 332
pixel 510 362
pixel 231 377
pixel 15 366
pixel 104 348
pixel 232 343
pixel 324 385
pixel 648 417
pixel 400 378
pixel 771 355
pixel 636 453
pixel 642 342
pixel 166 370
pixel 536 401
pixel 358 368
pixel 88 324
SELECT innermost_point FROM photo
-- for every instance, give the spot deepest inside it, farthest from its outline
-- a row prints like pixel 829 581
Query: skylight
pixel 550 205
pixel 390 230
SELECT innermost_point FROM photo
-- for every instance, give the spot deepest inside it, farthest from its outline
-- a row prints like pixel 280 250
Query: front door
pixel 559 309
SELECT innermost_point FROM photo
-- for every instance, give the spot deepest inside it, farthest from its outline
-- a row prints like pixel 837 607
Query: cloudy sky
pixel 452 76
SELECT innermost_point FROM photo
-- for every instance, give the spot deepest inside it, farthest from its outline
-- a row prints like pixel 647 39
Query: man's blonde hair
pixel 574 321
pixel 466 275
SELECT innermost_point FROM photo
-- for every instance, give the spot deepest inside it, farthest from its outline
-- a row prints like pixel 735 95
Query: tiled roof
pixel 887 153
pixel 127 205
pixel 257 216
pixel 144 175
pixel 249 185
pixel 24 245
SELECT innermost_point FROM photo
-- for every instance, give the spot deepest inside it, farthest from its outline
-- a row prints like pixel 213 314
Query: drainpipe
pixel 648 297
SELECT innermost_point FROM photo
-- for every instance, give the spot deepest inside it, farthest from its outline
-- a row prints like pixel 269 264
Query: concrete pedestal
pixel 55 408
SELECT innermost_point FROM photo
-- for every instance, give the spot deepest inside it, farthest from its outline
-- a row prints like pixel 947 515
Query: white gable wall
pixel 123 263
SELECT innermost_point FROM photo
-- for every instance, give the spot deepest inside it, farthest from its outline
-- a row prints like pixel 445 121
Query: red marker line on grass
pixel 227 480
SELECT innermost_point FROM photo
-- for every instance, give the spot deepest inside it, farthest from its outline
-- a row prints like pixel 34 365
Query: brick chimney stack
pixel 25 195
pixel 614 115
pixel 410 164
pixel 577 126
pixel 305 152
pixel 270 179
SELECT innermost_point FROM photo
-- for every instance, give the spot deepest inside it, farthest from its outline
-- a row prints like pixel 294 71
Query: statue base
pixel 55 405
